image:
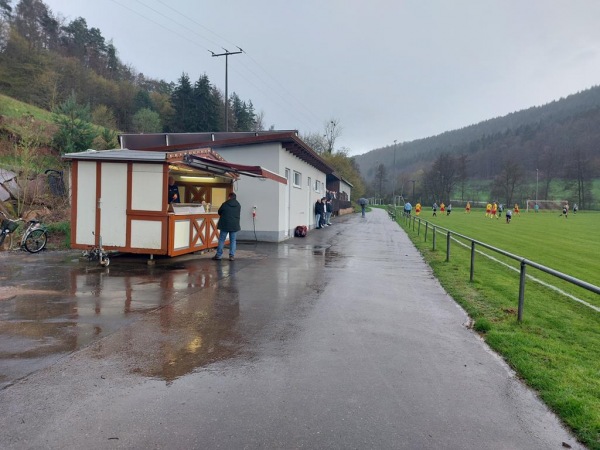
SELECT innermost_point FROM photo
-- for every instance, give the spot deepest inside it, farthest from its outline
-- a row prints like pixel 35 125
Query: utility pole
pixel 226 55
pixel 394 175
pixel 413 196
pixel 537 176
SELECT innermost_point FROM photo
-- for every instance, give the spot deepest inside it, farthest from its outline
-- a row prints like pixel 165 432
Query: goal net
pixel 546 205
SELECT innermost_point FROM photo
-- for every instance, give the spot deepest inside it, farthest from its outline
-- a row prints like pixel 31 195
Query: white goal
pixel 546 205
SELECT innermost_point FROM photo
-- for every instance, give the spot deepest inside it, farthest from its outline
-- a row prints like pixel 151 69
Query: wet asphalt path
pixel 340 340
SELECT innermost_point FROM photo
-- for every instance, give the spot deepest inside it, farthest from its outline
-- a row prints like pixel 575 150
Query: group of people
pixel 442 207
pixel 323 212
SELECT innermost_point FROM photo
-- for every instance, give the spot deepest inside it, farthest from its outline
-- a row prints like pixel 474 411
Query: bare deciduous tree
pixel 333 130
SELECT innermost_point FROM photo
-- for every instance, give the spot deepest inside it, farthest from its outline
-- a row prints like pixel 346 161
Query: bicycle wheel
pixel 36 241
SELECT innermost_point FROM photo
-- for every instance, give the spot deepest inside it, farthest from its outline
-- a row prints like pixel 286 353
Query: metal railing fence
pixel 412 221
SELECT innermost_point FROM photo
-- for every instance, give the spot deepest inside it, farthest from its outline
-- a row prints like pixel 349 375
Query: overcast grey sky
pixel 386 69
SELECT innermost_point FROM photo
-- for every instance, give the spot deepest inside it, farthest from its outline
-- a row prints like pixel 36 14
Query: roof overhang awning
pixel 223 167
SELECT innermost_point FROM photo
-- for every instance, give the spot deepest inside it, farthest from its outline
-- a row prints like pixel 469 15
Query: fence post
pixel 521 291
pixel 472 260
pixel 448 247
pixel 419 228
pixel 426 230
pixel 434 233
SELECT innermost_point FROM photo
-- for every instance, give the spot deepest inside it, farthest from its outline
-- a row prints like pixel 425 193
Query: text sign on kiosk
pixel 187 208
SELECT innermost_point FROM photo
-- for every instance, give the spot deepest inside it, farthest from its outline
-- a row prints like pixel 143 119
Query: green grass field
pixel 556 348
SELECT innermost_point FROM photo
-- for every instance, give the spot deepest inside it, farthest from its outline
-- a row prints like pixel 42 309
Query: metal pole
pixel 472 260
pixel 226 55
pixel 521 291
pixel 226 93
pixel 394 175
pixel 537 174
pixel 434 233
pixel 448 247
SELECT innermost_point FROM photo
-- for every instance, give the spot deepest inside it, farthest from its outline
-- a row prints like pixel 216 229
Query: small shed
pixel 120 199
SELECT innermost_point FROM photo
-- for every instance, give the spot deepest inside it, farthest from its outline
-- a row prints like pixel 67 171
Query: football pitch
pixel 570 245
pixel 556 348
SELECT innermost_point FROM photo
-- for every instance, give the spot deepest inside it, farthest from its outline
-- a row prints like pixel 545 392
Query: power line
pixel 159 24
pixel 178 23
pixel 246 53
pixel 286 99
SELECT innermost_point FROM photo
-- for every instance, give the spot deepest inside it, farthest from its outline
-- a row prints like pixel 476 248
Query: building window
pixel 297 179
pixel 317 186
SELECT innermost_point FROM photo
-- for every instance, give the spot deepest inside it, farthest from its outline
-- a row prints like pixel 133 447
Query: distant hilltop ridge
pixel 559 127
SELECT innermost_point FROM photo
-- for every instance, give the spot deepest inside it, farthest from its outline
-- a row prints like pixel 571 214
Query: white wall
pixel 345 187
pixel 86 203
pixel 269 196
pixel 113 204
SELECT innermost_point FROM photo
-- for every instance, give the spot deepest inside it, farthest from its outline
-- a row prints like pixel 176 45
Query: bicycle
pixel 34 237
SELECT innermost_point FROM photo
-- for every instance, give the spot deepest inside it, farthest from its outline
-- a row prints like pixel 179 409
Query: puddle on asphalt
pixel 57 308
pixel 63 309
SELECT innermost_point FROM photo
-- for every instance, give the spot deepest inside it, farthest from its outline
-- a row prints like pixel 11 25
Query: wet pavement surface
pixel 342 339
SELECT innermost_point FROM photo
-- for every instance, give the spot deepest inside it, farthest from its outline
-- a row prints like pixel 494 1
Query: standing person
pixel 319 213
pixel 536 208
pixel 418 208
pixel 229 223
pixel 363 204
pixel 173 191
pixel 449 209
pixel 508 215
pixel 408 208
pixel 488 210
pixel 575 208
pixel 468 208
pixel 565 211
pixel 434 207
pixel 517 209
pixel 494 212
pixel 328 211
pixel 442 208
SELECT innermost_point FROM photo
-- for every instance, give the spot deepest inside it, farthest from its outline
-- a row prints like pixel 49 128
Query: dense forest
pixel 557 142
pixel 44 61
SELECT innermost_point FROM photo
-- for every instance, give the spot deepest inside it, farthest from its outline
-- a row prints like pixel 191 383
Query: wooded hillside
pixel 44 60
pixel 561 140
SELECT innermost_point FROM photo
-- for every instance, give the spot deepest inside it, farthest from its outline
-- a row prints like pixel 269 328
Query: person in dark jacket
pixel 319 213
pixel 229 223
pixel 173 191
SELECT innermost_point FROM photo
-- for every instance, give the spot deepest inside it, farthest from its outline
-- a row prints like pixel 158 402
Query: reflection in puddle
pixel 38 327
pixel 161 321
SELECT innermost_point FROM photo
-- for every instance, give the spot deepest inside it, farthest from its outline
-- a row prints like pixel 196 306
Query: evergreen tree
pixel 75 133
pixel 204 103
pixel 185 117
pixel 142 100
